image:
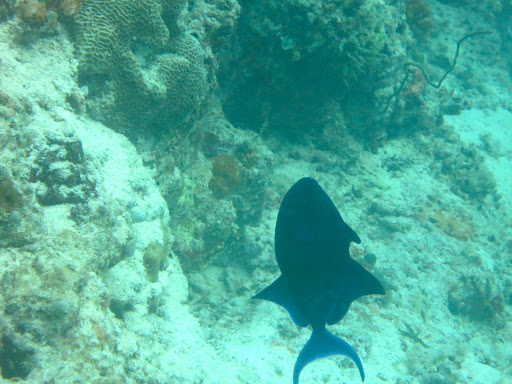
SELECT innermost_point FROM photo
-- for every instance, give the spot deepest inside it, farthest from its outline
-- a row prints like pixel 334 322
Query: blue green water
pixel 145 150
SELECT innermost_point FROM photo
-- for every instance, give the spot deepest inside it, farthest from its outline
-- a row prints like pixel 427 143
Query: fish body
pixel 319 280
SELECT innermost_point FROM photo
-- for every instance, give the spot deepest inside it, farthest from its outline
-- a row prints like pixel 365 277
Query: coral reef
pixel 140 68
pixel 32 12
pixel 59 169
pixel 106 30
pixel 505 29
pixel 89 290
pixel 19 223
pixel 6 9
pixel 171 11
pixel 477 297
pixel 15 358
pixel 156 255
pixel 464 167
pixel 64 8
pixel 10 197
pixel 226 175
pixel 212 183
pixel 273 79
pixel 66 189
pixel 11 232
pixel 419 18
pixel 37 13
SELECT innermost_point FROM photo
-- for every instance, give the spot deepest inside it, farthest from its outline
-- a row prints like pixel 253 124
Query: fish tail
pixel 322 343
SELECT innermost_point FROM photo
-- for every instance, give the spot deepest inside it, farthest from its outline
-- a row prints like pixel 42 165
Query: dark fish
pixel 319 280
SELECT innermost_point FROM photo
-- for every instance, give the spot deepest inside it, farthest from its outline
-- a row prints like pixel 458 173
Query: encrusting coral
pixel 419 18
pixel 479 298
pixel 37 13
pixel 6 9
pixel 10 197
pixel 31 12
pixel 226 175
pixel 66 8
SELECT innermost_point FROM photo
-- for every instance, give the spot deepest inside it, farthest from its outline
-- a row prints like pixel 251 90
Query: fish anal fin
pixel 338 312
pixel 279 292
pixel 322 344
pixel 355 282
pixel 359 282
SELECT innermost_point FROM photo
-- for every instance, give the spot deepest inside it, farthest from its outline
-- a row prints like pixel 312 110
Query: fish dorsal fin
pixel 322 343
pixel 355 282
pixel 279 292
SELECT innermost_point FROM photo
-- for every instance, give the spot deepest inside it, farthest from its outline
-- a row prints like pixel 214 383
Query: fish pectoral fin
pixel 322 344
pixel 279 292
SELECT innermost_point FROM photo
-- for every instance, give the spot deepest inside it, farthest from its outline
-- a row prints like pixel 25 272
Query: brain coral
pixel 138 64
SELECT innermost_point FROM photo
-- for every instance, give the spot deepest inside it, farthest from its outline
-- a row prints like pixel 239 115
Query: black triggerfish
pixel 319 280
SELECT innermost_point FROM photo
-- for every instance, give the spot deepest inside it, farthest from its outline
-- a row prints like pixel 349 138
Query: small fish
pixel 319 280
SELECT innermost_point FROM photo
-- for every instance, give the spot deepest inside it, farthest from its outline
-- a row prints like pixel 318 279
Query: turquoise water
pixel 145 150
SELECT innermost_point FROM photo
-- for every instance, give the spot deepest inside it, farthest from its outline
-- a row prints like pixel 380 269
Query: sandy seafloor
pixel 430 243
